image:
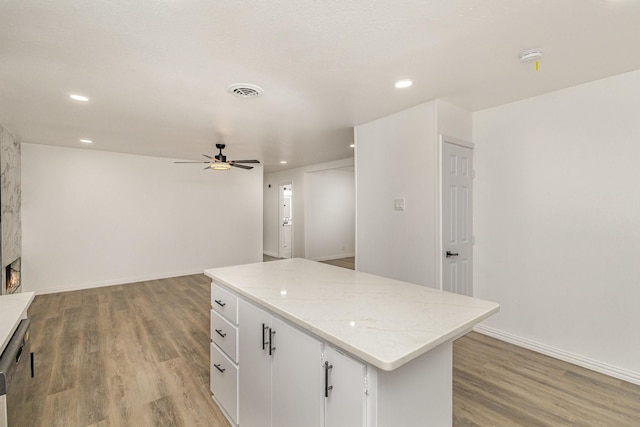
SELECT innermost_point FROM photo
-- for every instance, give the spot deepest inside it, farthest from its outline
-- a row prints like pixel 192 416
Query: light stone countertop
pixel 384 322
pixel 12 308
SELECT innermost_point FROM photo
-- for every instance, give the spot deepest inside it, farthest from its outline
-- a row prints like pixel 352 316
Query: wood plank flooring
pixel 138 355
pixel 129 355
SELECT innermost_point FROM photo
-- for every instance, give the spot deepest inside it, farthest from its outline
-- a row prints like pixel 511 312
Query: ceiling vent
pixel 245 90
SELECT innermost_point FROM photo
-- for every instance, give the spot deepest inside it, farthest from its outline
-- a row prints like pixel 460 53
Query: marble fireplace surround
pixel 10 201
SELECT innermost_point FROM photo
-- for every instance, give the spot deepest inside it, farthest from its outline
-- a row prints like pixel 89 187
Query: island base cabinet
pixel 297 378
pixel 346 390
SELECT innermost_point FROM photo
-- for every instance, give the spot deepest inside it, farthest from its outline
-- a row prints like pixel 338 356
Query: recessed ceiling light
pixel 86 141
pixel 401 84
pixel 79 98
pixel 283 162
pixel 352 145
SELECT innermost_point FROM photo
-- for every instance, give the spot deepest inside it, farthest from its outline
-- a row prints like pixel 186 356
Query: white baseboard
pixel 100 284
pixel 328 257
pixel 273 254
pixel 576 359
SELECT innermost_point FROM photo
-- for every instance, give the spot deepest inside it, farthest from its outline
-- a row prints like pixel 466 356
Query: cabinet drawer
pixel 225 335
pixel 224 302
pixel 224 382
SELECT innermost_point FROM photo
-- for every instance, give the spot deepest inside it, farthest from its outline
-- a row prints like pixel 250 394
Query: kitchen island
pixel 296 342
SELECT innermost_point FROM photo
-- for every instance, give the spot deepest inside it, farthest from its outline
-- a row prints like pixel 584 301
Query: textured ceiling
pixel 157 70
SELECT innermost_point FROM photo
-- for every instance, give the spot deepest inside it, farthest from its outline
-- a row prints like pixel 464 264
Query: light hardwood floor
pixel 138 355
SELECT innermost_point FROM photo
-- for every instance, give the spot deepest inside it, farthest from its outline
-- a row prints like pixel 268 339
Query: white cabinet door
pixel 346 400
pixel 255 366
pixel 297 378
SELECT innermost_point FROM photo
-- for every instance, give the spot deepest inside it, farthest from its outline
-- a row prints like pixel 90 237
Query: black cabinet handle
pixel 220 303
pixel 264 342
pixel 217 366
pixel 450 254
pixel 271 347
pixel 327 387
pixel 219 331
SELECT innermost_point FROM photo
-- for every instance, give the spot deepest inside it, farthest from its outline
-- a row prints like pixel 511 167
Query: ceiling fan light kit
pixel 219 166
pixel 219 162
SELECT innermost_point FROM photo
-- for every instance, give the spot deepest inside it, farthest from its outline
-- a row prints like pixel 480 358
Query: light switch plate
pixel 398 204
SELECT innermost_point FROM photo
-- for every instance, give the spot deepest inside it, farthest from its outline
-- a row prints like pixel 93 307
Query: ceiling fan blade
pixel 208 157
pixel 245 161
pixel 191 162
pixel 207 167
pixel 241 166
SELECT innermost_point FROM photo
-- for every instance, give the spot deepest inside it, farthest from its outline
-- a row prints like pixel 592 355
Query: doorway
pixel 457 216
pixel 286 220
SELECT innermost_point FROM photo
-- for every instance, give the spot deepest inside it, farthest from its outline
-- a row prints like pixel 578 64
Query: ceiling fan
pixel 220 162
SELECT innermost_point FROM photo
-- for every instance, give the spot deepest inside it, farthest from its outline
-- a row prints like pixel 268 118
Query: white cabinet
pixel 281 376
pixel 296 377
pixel 255 376
pixel 224 351
pixel 266 372
pixel 224 382
pixel 346 390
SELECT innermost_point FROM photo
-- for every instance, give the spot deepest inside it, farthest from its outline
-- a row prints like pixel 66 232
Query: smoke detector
pixel 245 90
pixel 531 55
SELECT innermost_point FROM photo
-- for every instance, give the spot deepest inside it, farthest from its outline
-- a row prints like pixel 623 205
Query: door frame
pixel 280 227
pixel 443 139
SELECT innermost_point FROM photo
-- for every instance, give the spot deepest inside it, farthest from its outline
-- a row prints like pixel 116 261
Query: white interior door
pixel 457 217
pixel 286 221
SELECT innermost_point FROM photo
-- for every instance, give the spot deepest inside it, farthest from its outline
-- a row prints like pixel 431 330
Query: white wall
pixel 93 218
pixel 557 222
pixel 271 213
pixel 330 214
pixel 398 157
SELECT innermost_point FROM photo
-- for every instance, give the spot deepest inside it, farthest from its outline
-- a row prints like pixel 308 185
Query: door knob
pixel 450 254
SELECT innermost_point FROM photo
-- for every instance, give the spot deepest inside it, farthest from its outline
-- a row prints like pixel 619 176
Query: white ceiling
pixel 157 70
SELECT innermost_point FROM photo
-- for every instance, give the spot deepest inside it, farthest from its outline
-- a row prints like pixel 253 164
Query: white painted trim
pixel 123 281
pixel 338 256
pixel 269 253
pixel 576 359
pixel 457 141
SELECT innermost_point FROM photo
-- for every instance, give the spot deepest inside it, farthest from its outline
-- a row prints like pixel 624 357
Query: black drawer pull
pixel 219 331
pixel 272 347
pixel 327 387
pixel 264 329
pixel 217 366
pixel 220 303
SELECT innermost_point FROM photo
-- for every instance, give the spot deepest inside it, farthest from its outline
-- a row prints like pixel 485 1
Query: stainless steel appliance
pixel 16 371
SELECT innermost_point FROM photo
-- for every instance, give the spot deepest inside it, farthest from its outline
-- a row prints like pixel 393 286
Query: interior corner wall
pixel 557 220
pixel 94 218
pixel 271 224
pixel 396 158
pixel 330 206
